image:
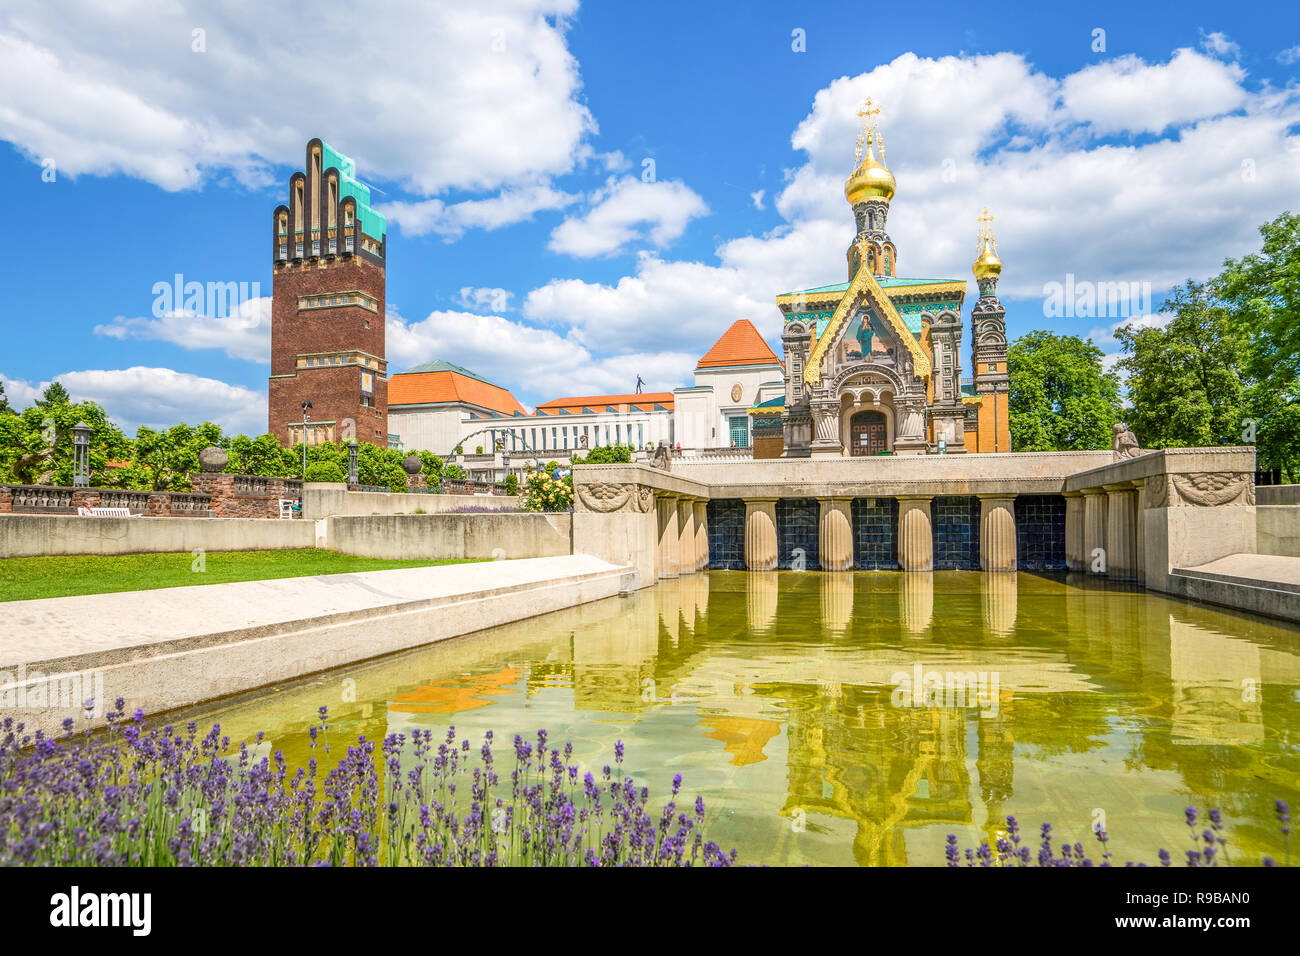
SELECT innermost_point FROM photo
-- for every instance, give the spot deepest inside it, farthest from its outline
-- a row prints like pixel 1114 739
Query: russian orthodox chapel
pixel 873 365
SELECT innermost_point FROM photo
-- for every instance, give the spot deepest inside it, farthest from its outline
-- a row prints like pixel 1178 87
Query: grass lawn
pixel 22 579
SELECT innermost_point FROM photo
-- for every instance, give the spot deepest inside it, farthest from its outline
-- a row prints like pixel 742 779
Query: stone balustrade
pixel 57 500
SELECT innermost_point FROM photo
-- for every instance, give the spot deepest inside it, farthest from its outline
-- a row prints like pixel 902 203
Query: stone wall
pixel 1278 528
pixel 433 536
pixel 320 499
pixel 32 535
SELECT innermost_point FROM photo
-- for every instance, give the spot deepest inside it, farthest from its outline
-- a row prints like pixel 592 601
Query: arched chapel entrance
pixel 868 434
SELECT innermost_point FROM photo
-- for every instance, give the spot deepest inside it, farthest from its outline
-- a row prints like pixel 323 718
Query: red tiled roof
pixel 646 401
pixel 740 345
pixel 426 388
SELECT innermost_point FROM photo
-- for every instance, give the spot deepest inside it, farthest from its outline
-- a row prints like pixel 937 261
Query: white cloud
pixel 1156 211
pixel 430 93
pixel 21 394
pixel 1129 95
pixel 1289 55
pixel 1105 335
pixel 243 334
pixel 498 300
pixel 1219 44
pixel 452 220
pixel 158 397
pixel 500 350
pixel 757 199
pixel 628 210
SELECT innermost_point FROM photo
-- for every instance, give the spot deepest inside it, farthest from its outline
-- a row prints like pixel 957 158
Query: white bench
pixel 105 512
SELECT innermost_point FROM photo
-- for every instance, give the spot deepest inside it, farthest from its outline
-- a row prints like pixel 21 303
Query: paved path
pixel 174 647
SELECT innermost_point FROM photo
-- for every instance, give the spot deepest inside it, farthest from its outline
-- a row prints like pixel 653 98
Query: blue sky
pixel 508 145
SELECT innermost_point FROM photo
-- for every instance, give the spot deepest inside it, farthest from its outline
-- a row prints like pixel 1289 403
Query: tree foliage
pixel 1187 381
pixel 1061 398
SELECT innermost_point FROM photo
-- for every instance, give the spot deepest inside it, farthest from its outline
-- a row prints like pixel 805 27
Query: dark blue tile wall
pixel 875 533
pixel 797 528
pixel 1040 532
pixel 727 534
pixel 956 524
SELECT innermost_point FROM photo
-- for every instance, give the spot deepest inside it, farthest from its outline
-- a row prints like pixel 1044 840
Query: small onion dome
pixel 871 180
pixel 987 264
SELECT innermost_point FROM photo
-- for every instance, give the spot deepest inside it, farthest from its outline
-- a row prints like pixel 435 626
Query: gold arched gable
pixel 864 286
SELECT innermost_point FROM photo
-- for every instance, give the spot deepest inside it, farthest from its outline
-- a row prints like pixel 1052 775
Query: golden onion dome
pixel 987 263
pixel 871 180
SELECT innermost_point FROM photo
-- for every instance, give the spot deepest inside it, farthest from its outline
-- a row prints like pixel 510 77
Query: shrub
pixel 543 492
pixel 512 484
pixel 325 471
pixel 478 450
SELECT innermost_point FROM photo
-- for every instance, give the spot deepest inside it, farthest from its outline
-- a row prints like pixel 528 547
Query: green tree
pixel 4 401
pixel 36 445
pixel 54 394
pixel 1262 291
pixel 170 457
pixel 1061 399
pixel 1187 384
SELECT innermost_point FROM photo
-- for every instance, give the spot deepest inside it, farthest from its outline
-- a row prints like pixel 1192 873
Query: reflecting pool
pixel 861 717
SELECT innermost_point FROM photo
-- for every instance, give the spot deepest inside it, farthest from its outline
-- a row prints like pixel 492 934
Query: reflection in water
pixel 761 588
pixel 998 595
pixel 916 601
pixel 773 695
pixel 836 599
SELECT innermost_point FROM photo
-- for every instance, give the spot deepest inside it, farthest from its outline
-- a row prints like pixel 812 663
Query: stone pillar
pixel 915 538
pixel 1140 519
pixel 668 538
pixel 997 532
pixel 1074 531
pixel 835 534
pixel 1094 530
pixel 760 534
pixel 1121 531
pixel 701 534
pixel 685 536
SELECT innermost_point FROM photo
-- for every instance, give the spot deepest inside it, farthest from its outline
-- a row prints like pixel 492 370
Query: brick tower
pixel 327 307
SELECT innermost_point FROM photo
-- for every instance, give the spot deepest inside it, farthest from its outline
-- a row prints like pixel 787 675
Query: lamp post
pixel 81 455
pixel 352 463
pixel 305 405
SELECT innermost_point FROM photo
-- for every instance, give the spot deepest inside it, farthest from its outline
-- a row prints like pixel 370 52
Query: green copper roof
pixel 886 282
pixel 441 366
pixel 369 221
pixel 778 402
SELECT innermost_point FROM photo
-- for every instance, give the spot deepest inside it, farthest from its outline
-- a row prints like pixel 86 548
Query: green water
pixel 776 697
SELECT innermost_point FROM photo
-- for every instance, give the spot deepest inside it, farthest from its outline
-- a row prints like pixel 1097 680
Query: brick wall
pixel 334 391
pixel 242 496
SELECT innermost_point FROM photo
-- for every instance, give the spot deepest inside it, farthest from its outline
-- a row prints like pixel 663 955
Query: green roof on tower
pixel 370 222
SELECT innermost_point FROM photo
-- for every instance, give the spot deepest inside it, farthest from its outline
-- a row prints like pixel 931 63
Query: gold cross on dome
pixel 986 217
pixel 869 111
